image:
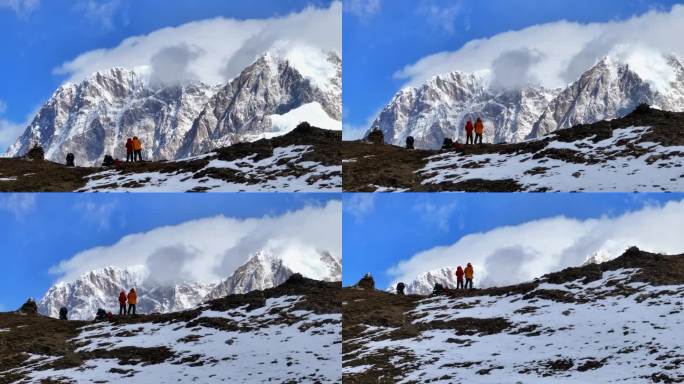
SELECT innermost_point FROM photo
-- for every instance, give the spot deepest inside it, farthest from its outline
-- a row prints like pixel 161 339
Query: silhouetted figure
pixel 70 160
pixel 469 132
pixel 479 130
pixel 129 150
pixel 63 312
pixel 122 303
pixel 469 276
pixel 459 277
pixel 400 288
pixel 132 301
pixel 409 142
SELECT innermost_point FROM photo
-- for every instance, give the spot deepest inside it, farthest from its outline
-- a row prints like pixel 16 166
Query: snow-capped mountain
pixel 610 89
pixel 100 288
pixel 270 97
pixel 600 323
pixel 265 269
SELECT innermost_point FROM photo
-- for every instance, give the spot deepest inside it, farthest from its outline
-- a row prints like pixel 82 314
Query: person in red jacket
pixel 129 150
pixel 122 303
pixel 469 132
pixel 459 277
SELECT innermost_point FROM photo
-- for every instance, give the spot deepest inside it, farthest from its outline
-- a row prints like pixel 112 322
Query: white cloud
pixel 21 7
pixel 518 253
pixel 442 17
pixel 99 214
pixel 18 204
pixel 359 205
pixel 363 9
pixel 354 132
pixel 210 249
pixel 563 50
pixel 435 214
pixel 220 47
pixel 99 12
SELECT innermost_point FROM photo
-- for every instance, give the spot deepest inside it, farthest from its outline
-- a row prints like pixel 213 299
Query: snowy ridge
pixel 268 336
pixel 612 88
pixel 599 323
pixel 93 118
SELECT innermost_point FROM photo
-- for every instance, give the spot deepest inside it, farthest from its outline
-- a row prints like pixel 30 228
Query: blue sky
pixel 39 230
pixel 381 37
pixel 382 229
pixel 41 35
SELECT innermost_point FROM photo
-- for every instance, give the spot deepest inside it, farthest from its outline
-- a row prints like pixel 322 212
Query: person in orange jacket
pixel 122 303
pixel 469 276
pixel 479 130
pixel 469 132
pixel 459 277
pixel 132 301
pixel 137 148
pixel 129 150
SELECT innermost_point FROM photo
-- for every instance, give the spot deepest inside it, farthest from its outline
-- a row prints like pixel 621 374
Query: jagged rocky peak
pixel 93 118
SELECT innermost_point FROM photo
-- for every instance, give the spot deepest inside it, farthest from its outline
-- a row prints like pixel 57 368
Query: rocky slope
pixel 100 288
pixel 439 108
pixel 608 322
pixel 305 159
pixel 291 333
pixel 270 97
pixel 641 152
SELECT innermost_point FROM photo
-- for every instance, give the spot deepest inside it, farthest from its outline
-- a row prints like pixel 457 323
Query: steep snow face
pixel 100 289
pixel 609 330
pixel 612 88
pixel 244 107
pixel 95 117
pixel 274 342
pixel 266 270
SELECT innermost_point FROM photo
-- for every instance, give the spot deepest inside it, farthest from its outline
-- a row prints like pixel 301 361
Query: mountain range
pixel 270 97
pixel 100 288
pixel 440 107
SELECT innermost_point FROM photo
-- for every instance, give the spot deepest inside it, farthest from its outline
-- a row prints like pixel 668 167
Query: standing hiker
pixel 469 276
pixel 129 150
pixel 469 132
pixel 63 313
pixel 132 301
pixel 122 303
pixel 137 148
pixel 459 277
pixel 400 288
pixel 479 130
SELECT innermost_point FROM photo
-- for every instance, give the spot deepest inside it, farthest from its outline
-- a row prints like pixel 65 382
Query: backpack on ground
pixel 108 161
pixel 438 289
pixel 447 144
pixel 409 142
pixel 101 314
pixel 400 288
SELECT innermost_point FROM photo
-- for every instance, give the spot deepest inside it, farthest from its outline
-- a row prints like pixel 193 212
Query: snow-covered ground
pixel 271 174
pixel 273 343
pixel 610 330
pixel 612 166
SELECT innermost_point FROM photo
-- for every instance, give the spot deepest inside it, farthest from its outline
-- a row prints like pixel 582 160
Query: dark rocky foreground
pixel 369 167
pixel 609 322
pixel 31 343
pixel 27 175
